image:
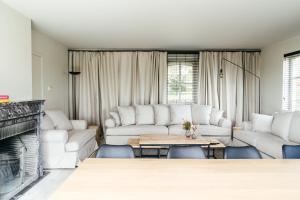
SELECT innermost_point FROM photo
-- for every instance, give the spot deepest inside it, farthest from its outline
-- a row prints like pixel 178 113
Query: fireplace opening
pixel 20 164
pixel 11 165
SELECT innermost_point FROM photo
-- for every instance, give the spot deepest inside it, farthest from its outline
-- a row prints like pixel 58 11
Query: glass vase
pixel 188 133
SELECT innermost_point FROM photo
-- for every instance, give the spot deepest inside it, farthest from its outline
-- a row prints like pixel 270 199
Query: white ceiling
pixel 163 24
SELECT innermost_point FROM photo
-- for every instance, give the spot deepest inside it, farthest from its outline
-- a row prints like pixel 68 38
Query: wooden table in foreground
pixel 158 141
pixel 178 179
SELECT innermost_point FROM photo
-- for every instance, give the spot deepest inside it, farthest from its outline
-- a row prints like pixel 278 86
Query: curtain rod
pixel 166 50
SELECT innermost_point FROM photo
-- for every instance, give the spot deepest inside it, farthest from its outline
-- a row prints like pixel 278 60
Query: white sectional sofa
pixel 131 121
pixel 269 133
pixel 65 143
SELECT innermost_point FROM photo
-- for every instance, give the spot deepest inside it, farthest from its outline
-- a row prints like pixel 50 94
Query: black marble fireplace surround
pixel 20 163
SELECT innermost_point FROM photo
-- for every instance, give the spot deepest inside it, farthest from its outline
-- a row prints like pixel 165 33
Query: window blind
pixel 291 82
pixel 183 78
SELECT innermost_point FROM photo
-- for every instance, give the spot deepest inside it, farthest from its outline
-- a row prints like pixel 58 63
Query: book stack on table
pixel 4 99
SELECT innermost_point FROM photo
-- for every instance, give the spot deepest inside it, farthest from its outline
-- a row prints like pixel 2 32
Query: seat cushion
pixel 136 130
pixel 211 130
pixel 204 130
pixel 271 144
pixel 248 137
pixel 78 138
pixel 176 130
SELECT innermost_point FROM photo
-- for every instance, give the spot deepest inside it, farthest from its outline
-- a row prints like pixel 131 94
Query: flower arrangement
pixel 187 125
pixel 190 129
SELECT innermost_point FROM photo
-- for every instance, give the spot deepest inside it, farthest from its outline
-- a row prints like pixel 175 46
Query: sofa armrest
pixel 110 123
pixel 55 136
pixel 79 124
pixel 225 123
pixel 246 125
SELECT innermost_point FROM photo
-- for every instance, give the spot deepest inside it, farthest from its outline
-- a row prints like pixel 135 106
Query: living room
pixel 149 99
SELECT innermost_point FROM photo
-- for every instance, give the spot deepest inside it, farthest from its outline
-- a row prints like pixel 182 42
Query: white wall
pixel 15 54
pixel 55 70
pixel 271 77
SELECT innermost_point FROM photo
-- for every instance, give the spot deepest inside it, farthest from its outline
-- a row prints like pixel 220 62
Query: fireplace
pixel 19 146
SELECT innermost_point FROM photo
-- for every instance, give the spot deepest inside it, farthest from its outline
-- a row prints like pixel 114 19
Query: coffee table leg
pixel 158 152
pixel 208 151
pixel 141 152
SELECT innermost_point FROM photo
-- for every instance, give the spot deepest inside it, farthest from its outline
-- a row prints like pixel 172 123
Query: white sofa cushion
pixel 247 125
pixel 79 124
pixel 246 136
pixel 136 130
pixel 144 114
pixel 281 124
pixel 162 114
pixel 225 123
pixel 204 130
pixel 54 136
pixel 61 122
pixel 78 138
pixel 47 123
pixel 262 123
pixel 294 134
pixel 127 115
pixel 215 116
pixel 176 130
pixel 180 113
pixel 109 123
pixel 270 144
pixel 201 114
pixel 116 117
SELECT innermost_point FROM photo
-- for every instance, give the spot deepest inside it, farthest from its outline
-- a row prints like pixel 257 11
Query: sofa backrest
pixel 178 113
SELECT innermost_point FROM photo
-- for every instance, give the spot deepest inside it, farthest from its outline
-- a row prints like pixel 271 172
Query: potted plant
pixel 187 127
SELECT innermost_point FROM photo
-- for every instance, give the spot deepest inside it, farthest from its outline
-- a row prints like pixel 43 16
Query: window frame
pixel 289 81
pixel 195 76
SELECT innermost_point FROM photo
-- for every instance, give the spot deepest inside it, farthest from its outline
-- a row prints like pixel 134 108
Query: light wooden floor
pixel 46 187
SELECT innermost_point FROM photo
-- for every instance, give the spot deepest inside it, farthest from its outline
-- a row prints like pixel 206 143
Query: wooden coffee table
pixel 159 141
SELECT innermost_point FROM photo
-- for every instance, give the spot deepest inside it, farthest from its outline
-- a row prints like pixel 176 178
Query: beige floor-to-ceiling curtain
pixel 251 99
pixel 111 79
pixel 230 93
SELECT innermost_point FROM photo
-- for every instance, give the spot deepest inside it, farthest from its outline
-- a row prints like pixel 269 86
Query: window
pixel 182 78
pixel 291 82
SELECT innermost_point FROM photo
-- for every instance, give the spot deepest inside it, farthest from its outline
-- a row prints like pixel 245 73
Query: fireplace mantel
pixel 20 123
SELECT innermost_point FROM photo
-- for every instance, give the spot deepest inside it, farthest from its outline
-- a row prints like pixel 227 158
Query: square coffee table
pixel 160 141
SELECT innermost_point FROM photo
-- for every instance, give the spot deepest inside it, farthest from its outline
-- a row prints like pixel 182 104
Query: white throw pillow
pixel 215 116
pixel 144 114
pixel 162 115
pixel 127 115
pixel 110 123
pixel 180 113
pixel 116 117
pixel 294 133
pixel 281 124
pixel 47 123
pixel 201 114
pixel 60 121
pixel 262 123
